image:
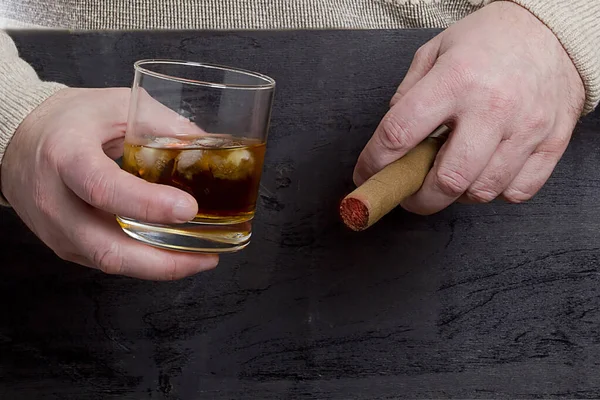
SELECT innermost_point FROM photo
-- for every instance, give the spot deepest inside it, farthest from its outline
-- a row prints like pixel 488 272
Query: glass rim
pixel 139 66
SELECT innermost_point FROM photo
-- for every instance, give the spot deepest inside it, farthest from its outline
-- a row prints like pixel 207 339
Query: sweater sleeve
pixel 576 24
pixel 21 91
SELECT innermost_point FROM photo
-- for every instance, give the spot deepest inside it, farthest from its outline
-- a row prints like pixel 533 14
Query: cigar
pixel 385 190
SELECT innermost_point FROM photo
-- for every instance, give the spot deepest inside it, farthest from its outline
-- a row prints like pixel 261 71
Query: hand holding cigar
pixel 512 93
pixel 385 190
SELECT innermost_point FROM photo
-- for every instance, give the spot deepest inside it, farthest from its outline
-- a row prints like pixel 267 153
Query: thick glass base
pixel 196 236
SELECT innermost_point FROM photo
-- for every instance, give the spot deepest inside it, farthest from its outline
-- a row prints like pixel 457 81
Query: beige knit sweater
pixel 576 23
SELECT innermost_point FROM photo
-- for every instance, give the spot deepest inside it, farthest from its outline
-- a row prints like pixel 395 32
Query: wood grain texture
pixel 481 301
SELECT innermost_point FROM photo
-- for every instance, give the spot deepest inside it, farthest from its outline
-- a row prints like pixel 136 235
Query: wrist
pixel 575 26
pixel 17 110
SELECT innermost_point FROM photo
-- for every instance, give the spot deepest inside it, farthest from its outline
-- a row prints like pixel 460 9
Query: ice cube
pixel 164 141
pixel 236 157
pixel 237 164
pixel 152 162
pixel 212 142
pixel 190 162
pixel 129 160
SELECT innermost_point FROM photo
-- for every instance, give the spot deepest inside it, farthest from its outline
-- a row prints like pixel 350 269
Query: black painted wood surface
pixel 478 301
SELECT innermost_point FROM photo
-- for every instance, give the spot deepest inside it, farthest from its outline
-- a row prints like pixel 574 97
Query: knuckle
pixel 489 185
pixel 496 97
pixel 451 182
pixel 395 133
pixel 553 146
pixel 537 120
pixel 465 77
pixel 171 269
pixel 460 75
pixel 481 195
pixel 99 190
pixel 500 101
pixel 108 260
pixel 421 55
pixel 52 151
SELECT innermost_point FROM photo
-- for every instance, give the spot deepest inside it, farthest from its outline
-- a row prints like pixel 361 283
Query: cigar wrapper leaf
pixel 385 190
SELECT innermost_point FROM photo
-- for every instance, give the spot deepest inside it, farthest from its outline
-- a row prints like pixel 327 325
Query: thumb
pixel 423 60
pixel 99 181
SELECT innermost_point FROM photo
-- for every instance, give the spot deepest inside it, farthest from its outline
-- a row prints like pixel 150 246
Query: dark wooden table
pixel 479 301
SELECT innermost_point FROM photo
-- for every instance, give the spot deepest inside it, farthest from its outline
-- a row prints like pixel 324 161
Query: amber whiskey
pixel 222 173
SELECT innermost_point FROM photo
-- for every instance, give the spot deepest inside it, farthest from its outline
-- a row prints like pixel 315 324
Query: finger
pixel 537 170
pixel 505 164
pixel 459 162
pixel 76 259
pixel 464 199
pixel 421 64
pixel 109 249
pixel 429 104
pixel 99 181
pixel 151 117
pixel 114 148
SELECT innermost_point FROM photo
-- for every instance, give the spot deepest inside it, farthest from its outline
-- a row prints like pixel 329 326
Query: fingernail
pixel 213 261
pixel 183 210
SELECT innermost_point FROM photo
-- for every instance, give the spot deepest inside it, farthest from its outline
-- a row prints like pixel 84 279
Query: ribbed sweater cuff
pixel 576 24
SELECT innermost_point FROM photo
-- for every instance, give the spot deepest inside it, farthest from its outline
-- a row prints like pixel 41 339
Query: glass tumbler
pixel 201 128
